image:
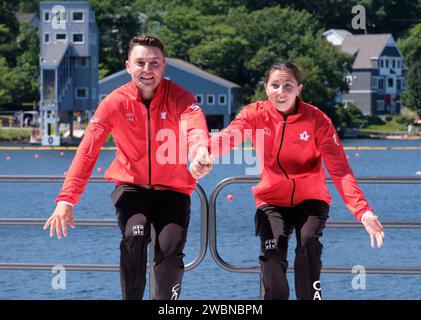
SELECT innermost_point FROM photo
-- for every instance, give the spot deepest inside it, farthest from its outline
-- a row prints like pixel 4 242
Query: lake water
pixel 236 241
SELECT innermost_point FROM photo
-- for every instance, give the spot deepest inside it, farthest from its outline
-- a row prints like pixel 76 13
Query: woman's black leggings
pixel 274 226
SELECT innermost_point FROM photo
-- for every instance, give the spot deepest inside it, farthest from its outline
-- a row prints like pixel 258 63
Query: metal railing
pixel 97 223
pixel 208 228
pixel 336 269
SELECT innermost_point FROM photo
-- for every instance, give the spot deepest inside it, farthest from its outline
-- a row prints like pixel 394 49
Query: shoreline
pixel 387 136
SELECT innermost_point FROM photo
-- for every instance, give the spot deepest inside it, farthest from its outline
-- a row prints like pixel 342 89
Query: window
pixel 377 83
pixel 380 84
pixel 222 99
pixel 399 84
pixel 77 16
pixel 78 37
pixel 387 63
pixel 102 97
pixel 81 93
pixel 381 63
pixel 61 36
pixel 46 16
pixel 374 83
pixel 46 38
pixel 81 62
pixel 199 98
pixel 380 105
pixel 393 64
pixel 211 99
pixel 399 64
pixel 390 82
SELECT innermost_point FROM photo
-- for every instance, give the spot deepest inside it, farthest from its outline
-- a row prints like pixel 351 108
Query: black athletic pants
pixel 169 212
pixel 274 226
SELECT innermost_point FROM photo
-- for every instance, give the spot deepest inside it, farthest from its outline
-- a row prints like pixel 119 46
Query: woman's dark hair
pixel 287 66
pixel 148 41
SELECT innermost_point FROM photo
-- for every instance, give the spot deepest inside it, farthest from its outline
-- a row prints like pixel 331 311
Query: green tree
pixel 182 29
pixel 382 16
pixel 411 50
pixel 242 45
pixel 118 21
pixel 5 94
pixel 411 97
pixel 25 75
pixel 349 116
pixel 9 28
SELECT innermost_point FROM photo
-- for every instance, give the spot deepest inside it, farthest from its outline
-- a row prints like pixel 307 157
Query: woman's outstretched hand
pixel 374 228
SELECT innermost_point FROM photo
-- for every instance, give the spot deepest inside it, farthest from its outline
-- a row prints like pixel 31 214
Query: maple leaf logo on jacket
pixel 304 136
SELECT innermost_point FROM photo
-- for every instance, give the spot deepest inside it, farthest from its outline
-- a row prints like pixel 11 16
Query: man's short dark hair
pixel 145 40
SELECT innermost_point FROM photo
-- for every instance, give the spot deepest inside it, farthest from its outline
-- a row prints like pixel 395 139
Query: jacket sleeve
pixel 241 128
pixel 193 124
pixel 87 153
pixel 338 167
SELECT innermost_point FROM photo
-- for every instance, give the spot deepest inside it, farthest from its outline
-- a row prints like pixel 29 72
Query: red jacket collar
pixel 274 112
pixel 136 92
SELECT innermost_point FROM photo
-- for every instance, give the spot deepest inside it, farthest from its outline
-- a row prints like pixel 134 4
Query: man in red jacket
pixel 155 125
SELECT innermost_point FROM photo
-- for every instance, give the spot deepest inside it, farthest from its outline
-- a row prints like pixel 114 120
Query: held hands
pixel 374 228
pixel 201 164
pixel 62 215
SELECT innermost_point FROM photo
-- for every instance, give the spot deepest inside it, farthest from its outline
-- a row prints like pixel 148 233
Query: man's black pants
pixel 169 212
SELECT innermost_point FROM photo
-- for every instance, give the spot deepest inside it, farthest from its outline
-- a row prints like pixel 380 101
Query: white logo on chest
pixel 304 136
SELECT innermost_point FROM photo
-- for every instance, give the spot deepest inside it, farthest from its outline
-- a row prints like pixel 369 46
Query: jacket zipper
pixel 149 147
pixel 284 124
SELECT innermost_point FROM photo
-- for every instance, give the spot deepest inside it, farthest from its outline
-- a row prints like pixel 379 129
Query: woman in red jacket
pixel 291 138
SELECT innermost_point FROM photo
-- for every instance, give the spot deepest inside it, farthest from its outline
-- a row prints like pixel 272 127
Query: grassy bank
pixel 388 127
pixel 15 134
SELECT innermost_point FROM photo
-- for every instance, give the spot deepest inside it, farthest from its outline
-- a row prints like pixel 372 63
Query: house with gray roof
pixel 377 78
pixel 220 99
pixel 68 63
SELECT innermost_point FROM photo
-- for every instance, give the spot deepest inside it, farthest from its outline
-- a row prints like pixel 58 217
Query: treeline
pixel 237 40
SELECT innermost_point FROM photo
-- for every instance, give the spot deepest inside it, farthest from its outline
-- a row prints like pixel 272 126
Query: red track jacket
pixel 291 157
pixel 152 143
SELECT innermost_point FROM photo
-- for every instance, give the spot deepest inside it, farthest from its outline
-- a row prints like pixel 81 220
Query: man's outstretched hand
pixel 62 215
pixel 201 164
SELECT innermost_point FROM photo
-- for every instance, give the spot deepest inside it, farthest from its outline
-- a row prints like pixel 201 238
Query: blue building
pixel 220 99
pixel 68 64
